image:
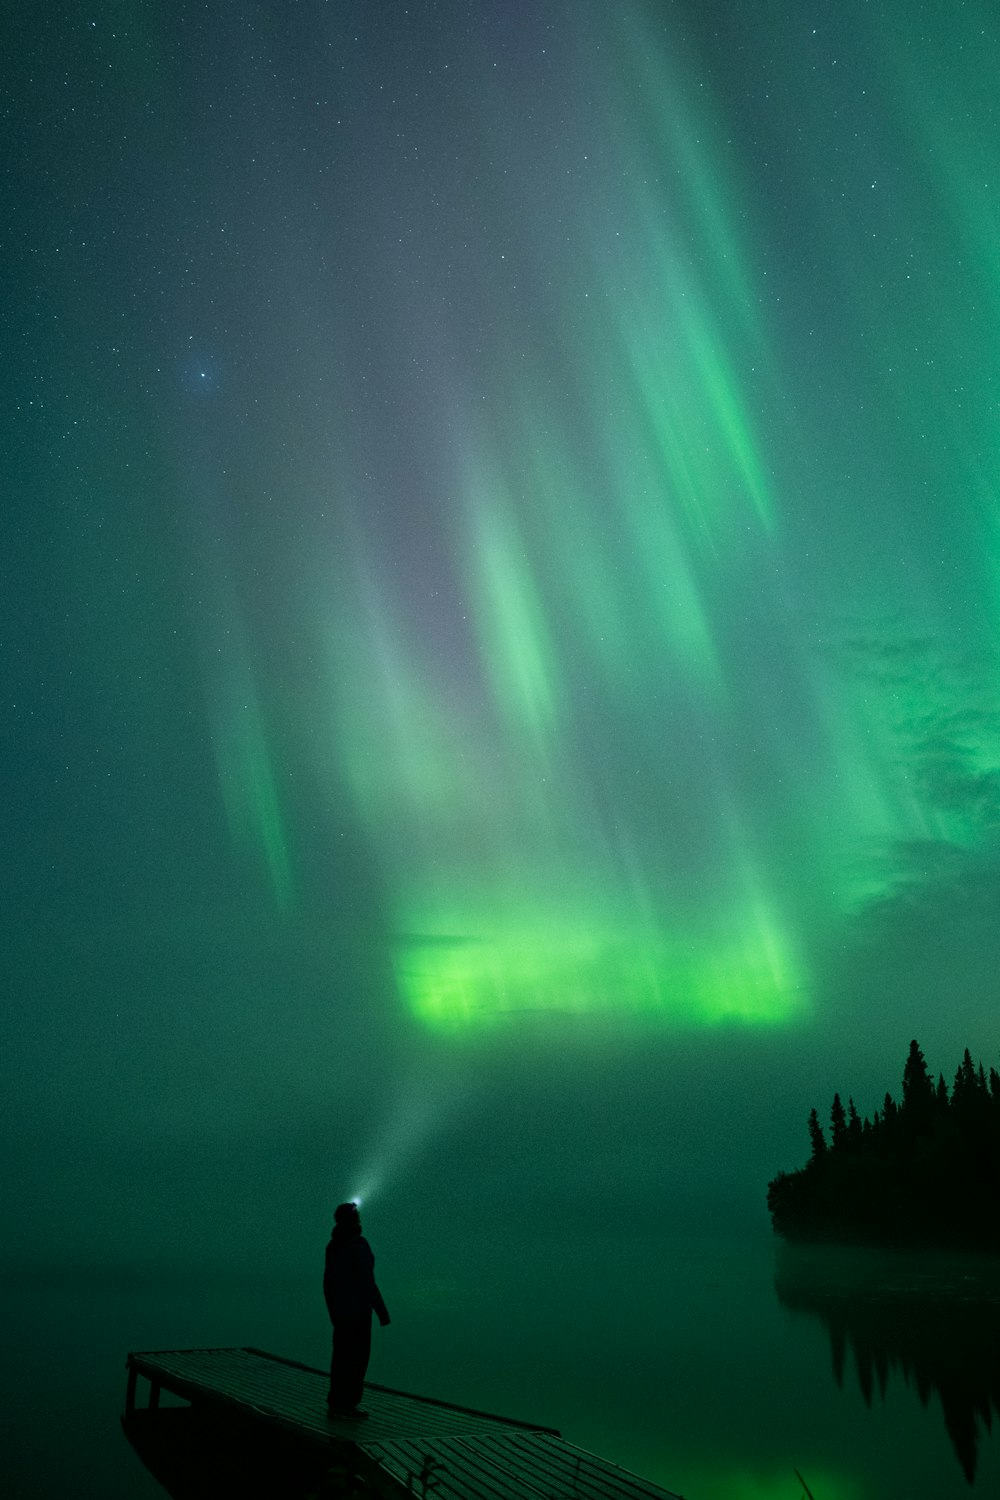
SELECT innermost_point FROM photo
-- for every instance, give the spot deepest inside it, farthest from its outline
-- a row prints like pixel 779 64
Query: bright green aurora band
pixel 613 741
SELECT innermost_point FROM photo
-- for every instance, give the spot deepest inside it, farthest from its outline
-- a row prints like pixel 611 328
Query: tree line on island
pixel 923 1171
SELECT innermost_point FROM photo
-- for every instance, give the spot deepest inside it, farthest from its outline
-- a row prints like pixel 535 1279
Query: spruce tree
pixel 816 1137
pixel 838 1124
pixel 918 1093
pixel 964 1089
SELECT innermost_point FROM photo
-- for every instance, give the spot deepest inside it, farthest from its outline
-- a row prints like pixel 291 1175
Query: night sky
pixel 500 581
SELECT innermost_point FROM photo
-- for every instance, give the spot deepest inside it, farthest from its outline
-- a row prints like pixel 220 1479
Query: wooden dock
pixel 410 1445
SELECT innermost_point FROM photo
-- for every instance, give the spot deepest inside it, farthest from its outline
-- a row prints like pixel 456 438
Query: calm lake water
pixel 714 1365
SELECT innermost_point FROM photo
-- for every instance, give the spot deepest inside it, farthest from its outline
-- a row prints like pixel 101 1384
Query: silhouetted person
pixel 351 1298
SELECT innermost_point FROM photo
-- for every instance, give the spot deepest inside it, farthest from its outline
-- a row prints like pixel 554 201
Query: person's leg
pixel 352 1345
pixel 361 1353
pixel 335 1396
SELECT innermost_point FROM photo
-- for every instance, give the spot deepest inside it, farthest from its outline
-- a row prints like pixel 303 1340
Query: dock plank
pixel 516 1466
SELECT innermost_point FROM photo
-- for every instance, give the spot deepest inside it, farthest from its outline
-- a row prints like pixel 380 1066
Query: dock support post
pixel 130 1391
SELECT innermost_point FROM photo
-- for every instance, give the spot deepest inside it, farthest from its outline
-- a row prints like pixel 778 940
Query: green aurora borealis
pixel 547 467
pixel 649 593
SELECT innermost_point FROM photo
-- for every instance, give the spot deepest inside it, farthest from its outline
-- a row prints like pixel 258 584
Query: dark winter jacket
pixel 349 1280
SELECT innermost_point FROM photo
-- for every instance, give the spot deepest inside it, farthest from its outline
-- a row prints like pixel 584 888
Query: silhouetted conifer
pixel 964 1087
pixel 838 1124
pixel 817 1139
pixel 918 1091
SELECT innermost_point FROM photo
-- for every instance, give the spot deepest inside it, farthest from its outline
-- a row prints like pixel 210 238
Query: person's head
pixel 347 1219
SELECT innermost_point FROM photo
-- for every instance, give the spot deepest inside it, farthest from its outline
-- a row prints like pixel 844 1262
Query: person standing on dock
pixel 351 1298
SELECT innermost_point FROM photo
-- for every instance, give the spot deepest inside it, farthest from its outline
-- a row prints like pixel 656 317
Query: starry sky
pixel 501 574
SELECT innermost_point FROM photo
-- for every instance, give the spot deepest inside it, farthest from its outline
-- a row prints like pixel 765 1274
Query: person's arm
pixel 381 1311
pixel 375 1300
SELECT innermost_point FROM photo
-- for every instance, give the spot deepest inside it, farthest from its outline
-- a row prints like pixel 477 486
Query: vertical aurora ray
pixel 249 792
pixel 244 758
pixel 513 638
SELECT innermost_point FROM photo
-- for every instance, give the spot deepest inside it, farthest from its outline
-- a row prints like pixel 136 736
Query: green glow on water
pixel 741 1484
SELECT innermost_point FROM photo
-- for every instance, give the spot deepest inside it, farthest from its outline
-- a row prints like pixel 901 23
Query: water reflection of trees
pixel 933 1318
